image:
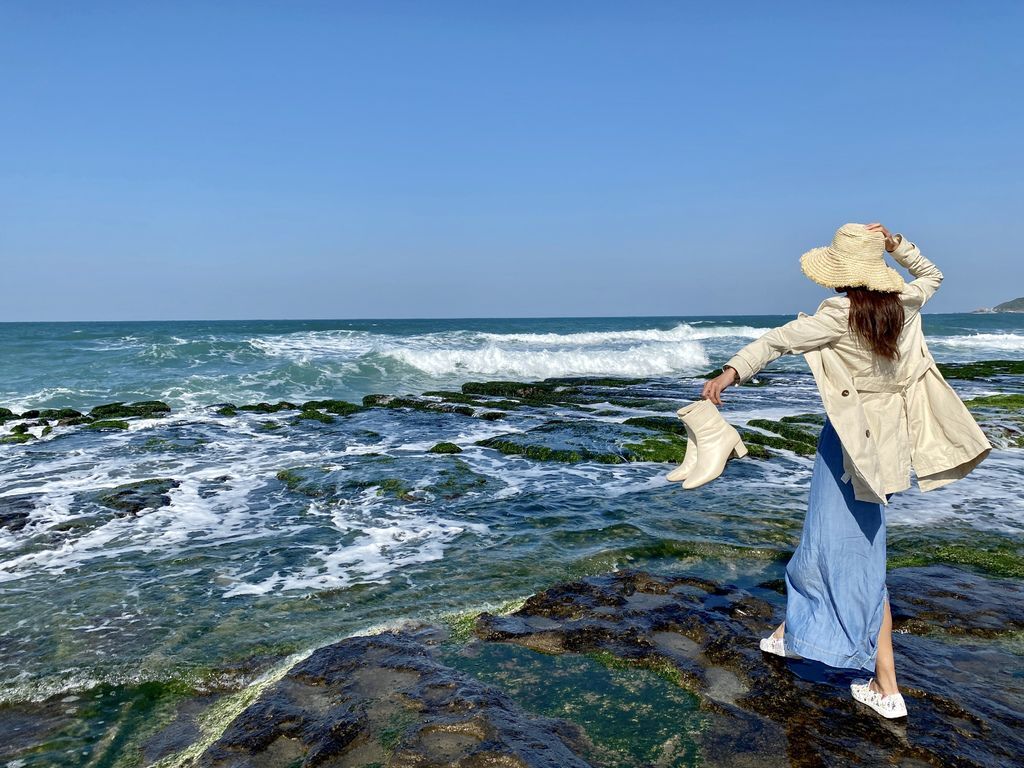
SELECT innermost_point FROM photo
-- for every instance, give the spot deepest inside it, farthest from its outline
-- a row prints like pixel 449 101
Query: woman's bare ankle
pixel 885 691
pixel 779 630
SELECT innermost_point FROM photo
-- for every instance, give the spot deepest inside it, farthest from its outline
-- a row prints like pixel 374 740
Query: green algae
pixel 537 391
pixel 464 399
pixel 658 423
pixel 787 431
pixel 16 439
pixel 982 369
pixel 456 480
pixel 673 549
pixel 337 407
pixel 644 403
pixel 607 698
pixel 607 382
pixel 1003 560
pixel 544 453
pixel 665 448
pixel 311 414
pixel 417 404
pixel 299 480
pixel 228 409
pixel 392 486
pixel 1013 402
pixel 59 413
pixel 445 448
pixel 143 409
pixel 805 418
pixel 282 405
pixel 750 439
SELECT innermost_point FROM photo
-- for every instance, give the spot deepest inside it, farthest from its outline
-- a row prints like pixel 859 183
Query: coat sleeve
pixel 927 275
pixel 796 337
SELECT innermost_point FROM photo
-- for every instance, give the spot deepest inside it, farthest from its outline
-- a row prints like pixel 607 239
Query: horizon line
pixel 477 317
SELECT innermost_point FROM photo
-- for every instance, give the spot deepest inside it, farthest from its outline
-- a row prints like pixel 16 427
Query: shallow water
pixel 243 567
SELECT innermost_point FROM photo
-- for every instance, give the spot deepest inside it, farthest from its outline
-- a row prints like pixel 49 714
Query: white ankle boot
pixel 690 457
pixel 716 440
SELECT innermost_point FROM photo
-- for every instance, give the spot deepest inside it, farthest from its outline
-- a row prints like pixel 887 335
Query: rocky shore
pixel 622 666
pixel 400 698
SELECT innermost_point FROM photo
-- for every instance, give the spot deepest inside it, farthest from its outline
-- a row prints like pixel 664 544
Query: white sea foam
pixel 308 346
pixel 1008 342
pixel 494 360
pixel 640 352
pixel 399 539
pixel 681 332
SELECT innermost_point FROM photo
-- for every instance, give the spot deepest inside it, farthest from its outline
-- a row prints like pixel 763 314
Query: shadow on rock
pixel 706 635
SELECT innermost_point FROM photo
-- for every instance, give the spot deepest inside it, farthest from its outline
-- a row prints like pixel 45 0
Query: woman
pixel 888 410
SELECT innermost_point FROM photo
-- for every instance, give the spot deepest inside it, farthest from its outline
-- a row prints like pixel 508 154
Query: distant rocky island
pixel 1014 305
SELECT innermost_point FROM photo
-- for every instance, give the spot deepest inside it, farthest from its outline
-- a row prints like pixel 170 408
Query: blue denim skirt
pixel 835 581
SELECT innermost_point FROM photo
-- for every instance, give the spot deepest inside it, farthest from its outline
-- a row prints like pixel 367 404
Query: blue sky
pixel 442 159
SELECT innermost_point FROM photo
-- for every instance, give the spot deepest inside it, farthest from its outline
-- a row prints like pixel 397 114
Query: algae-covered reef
pixel 623 668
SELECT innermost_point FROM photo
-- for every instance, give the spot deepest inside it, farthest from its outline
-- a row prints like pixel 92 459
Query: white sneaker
pixel 774 645
pixel 891 706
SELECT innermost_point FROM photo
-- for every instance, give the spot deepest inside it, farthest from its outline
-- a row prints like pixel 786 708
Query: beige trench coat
pixel 891 417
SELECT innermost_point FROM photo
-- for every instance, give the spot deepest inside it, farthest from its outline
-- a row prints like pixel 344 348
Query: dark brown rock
pixel 767 710
pixel 383 699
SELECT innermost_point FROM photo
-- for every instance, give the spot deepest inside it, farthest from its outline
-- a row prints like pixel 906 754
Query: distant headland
pixel 1014 305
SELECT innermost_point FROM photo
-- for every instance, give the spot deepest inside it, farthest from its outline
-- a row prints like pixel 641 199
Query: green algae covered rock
pixel 147 409
pixel 311 414
pixel 1013 402
pixel 663 448
pixel 337 407
pixel 445 448
pixel 787 431
pixel 545 453
pixel 658 424
pixel 417 404
pixel 282 405
pixel 983 369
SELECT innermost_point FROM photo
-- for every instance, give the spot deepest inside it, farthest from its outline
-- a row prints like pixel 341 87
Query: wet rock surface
pixel 768 708
pixel 16 510
pixel 948 600
pixel 132 498
pixel 384 700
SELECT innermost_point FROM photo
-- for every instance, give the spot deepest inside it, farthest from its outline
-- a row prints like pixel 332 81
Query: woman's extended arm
pixel 805 333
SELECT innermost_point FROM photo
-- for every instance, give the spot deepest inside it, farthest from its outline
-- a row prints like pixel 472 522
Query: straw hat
pixel 855 259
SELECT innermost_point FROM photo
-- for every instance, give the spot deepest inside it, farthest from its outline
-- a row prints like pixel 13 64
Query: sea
pixel 236 572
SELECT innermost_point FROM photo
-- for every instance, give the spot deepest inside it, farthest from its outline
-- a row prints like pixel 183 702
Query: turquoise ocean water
pixel 238 567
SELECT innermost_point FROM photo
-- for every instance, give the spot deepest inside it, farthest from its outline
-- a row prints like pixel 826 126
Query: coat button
pixel 867 433
pixel 846 393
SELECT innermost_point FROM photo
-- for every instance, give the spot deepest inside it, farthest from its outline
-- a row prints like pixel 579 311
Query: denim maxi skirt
pixel 835 581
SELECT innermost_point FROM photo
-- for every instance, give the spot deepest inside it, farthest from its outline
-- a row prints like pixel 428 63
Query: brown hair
pixel 877 317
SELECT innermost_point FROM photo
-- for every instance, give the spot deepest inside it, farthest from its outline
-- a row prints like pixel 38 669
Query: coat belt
pixel 900 387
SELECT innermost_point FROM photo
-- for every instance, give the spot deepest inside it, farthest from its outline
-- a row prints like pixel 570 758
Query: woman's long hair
pixel 877 317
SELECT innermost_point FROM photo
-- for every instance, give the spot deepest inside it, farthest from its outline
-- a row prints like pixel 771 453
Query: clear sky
pixel 443 159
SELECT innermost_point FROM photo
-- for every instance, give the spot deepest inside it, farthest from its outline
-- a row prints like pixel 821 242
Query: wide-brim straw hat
pixel 856 259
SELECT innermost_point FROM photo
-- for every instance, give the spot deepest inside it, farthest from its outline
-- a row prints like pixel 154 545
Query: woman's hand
pixel 890 242
pixel 714 388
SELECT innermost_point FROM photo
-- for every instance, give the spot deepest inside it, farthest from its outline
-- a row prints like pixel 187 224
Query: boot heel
pixel 740 450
